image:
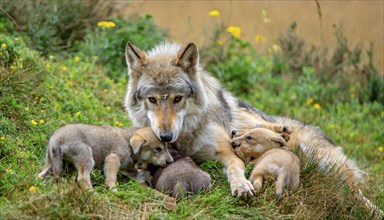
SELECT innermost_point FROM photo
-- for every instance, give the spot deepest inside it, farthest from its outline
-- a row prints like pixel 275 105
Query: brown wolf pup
pixel 113 148
pixel 182 178
pixel 184 105
pixel 270 156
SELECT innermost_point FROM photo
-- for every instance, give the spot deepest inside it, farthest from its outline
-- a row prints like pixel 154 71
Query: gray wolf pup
pixel 184 105
pixel 114 148
pixel 270 156
pixel 180 179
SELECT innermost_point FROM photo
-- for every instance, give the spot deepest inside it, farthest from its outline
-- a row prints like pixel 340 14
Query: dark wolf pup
pixel 113 148
pixel 182 178
pixel 184 105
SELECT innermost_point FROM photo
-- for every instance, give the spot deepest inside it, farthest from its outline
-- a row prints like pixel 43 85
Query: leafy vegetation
pixel 42 88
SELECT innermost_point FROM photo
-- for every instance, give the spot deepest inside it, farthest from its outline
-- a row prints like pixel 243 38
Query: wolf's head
pixel 165 90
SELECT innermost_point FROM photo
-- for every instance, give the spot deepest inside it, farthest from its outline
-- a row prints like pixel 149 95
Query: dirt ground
pixel 363 21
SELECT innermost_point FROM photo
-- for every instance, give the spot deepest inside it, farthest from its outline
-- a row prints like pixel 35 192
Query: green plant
pixel 53 26
pixel 108 41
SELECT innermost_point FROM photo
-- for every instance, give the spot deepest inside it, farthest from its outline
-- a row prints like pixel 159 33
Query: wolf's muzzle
pixel 234 144
pixel 166 136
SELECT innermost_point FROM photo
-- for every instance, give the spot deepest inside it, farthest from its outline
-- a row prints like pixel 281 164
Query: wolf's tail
pixel 55 156
pixel 335 158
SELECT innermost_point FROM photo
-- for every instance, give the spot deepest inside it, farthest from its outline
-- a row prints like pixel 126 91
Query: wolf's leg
pixel 281 181
pixel 234 167
pixel 256 178
pixel 46 168
pixel 111 167
pixel 279 128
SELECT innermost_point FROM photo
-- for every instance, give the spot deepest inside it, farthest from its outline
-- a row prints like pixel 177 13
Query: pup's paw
pixel 241 187
pixel 286 129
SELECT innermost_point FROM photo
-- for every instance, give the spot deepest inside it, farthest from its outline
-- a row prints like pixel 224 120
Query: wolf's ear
pixel 134 56
pixel 136 142
pixel 280 141
pixel 188 58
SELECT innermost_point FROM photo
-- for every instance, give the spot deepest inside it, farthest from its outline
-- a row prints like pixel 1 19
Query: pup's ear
pixel 280 141
pixel 134 56
pixel 136 142
pixel 285 136
pixel 188 58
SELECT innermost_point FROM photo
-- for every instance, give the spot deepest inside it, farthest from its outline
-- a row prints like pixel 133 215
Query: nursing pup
pixel 268 152
pixel 110 148
pixel 182 178
pixel 184 105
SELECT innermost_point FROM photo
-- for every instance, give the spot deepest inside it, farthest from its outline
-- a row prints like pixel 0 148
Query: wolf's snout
pixel 166 136
pixel 170 161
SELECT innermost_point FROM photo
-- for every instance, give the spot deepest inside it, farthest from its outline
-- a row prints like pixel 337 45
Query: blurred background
pixel 362 21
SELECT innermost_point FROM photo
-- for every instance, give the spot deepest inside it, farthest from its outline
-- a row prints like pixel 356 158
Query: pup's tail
pixel 55 156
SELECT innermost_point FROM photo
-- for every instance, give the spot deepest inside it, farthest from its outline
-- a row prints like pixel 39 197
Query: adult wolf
pixel 184 105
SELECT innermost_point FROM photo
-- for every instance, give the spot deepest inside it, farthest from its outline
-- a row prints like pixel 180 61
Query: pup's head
pixel 257 141
pixel 148 149
pixel 163 87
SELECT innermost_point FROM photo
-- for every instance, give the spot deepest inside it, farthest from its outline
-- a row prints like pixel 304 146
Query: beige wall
pixel 363 21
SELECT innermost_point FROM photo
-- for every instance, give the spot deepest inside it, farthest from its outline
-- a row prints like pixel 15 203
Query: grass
pixel 38 95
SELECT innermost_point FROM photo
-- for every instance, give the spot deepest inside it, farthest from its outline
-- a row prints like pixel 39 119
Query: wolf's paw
pixel 286 129
pixel 241 187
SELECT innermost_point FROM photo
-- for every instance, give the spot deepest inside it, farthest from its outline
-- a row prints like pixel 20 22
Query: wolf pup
pixel 180 179
pixel 184 105
pixel 113 148
pixel 270 156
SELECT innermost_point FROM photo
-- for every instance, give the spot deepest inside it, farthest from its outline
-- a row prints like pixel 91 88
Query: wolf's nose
pixel 166 136
pixel 233 133
pixel 234 145
pixel 169 161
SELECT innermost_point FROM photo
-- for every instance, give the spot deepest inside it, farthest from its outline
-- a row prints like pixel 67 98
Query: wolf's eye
pixel 249 138
pixel 177 98
pixel 157 150
pixel 152 100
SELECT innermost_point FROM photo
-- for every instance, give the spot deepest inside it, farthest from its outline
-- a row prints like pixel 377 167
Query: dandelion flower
pixel 77 59
pixel 235 31
pixel 214 13
pixel 32 189
pixel 9 170
pixel 34 122
pixel 380 149
pixel 95 57
pixel 219 42
pixel 276 47
pixel 41 121
pixel 2 138
pixel 26 109
pixel 64 68
pixel 77 113
pixel 51 57
pixel 1 54
pixel 309 101
pixel 105 90
pixel 108 108
pixel 259 38
pixel 317 106
pixel 111 24
pixel 3 46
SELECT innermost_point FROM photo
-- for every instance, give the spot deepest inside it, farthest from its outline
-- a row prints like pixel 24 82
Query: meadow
pixel 54 72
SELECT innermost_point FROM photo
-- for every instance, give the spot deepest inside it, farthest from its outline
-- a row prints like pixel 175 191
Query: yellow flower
pixel 111 24
pixel 42 110
pixel 108 108
pixel 95 57
pixel 317 106
pixel 235 31
pixel 101 23
pixel 309 101
pixel 32 189
pixel 77 113
pixel 51 57
pixel 26 109
pixel 380 148
pixel 117 123
pixel 64 68
pixel 77 59
pixel 219 42
pixel 4 46
pixel 1 54
pixel 105 90
pixel 107 24
pixel 265 17
pixel 41 121
pixel 259 38
pixel 34 122
pixel 2 138
pixel 382 114
pixel 276 47
pixel 48 65
pixel 214 13
pixel 9 170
